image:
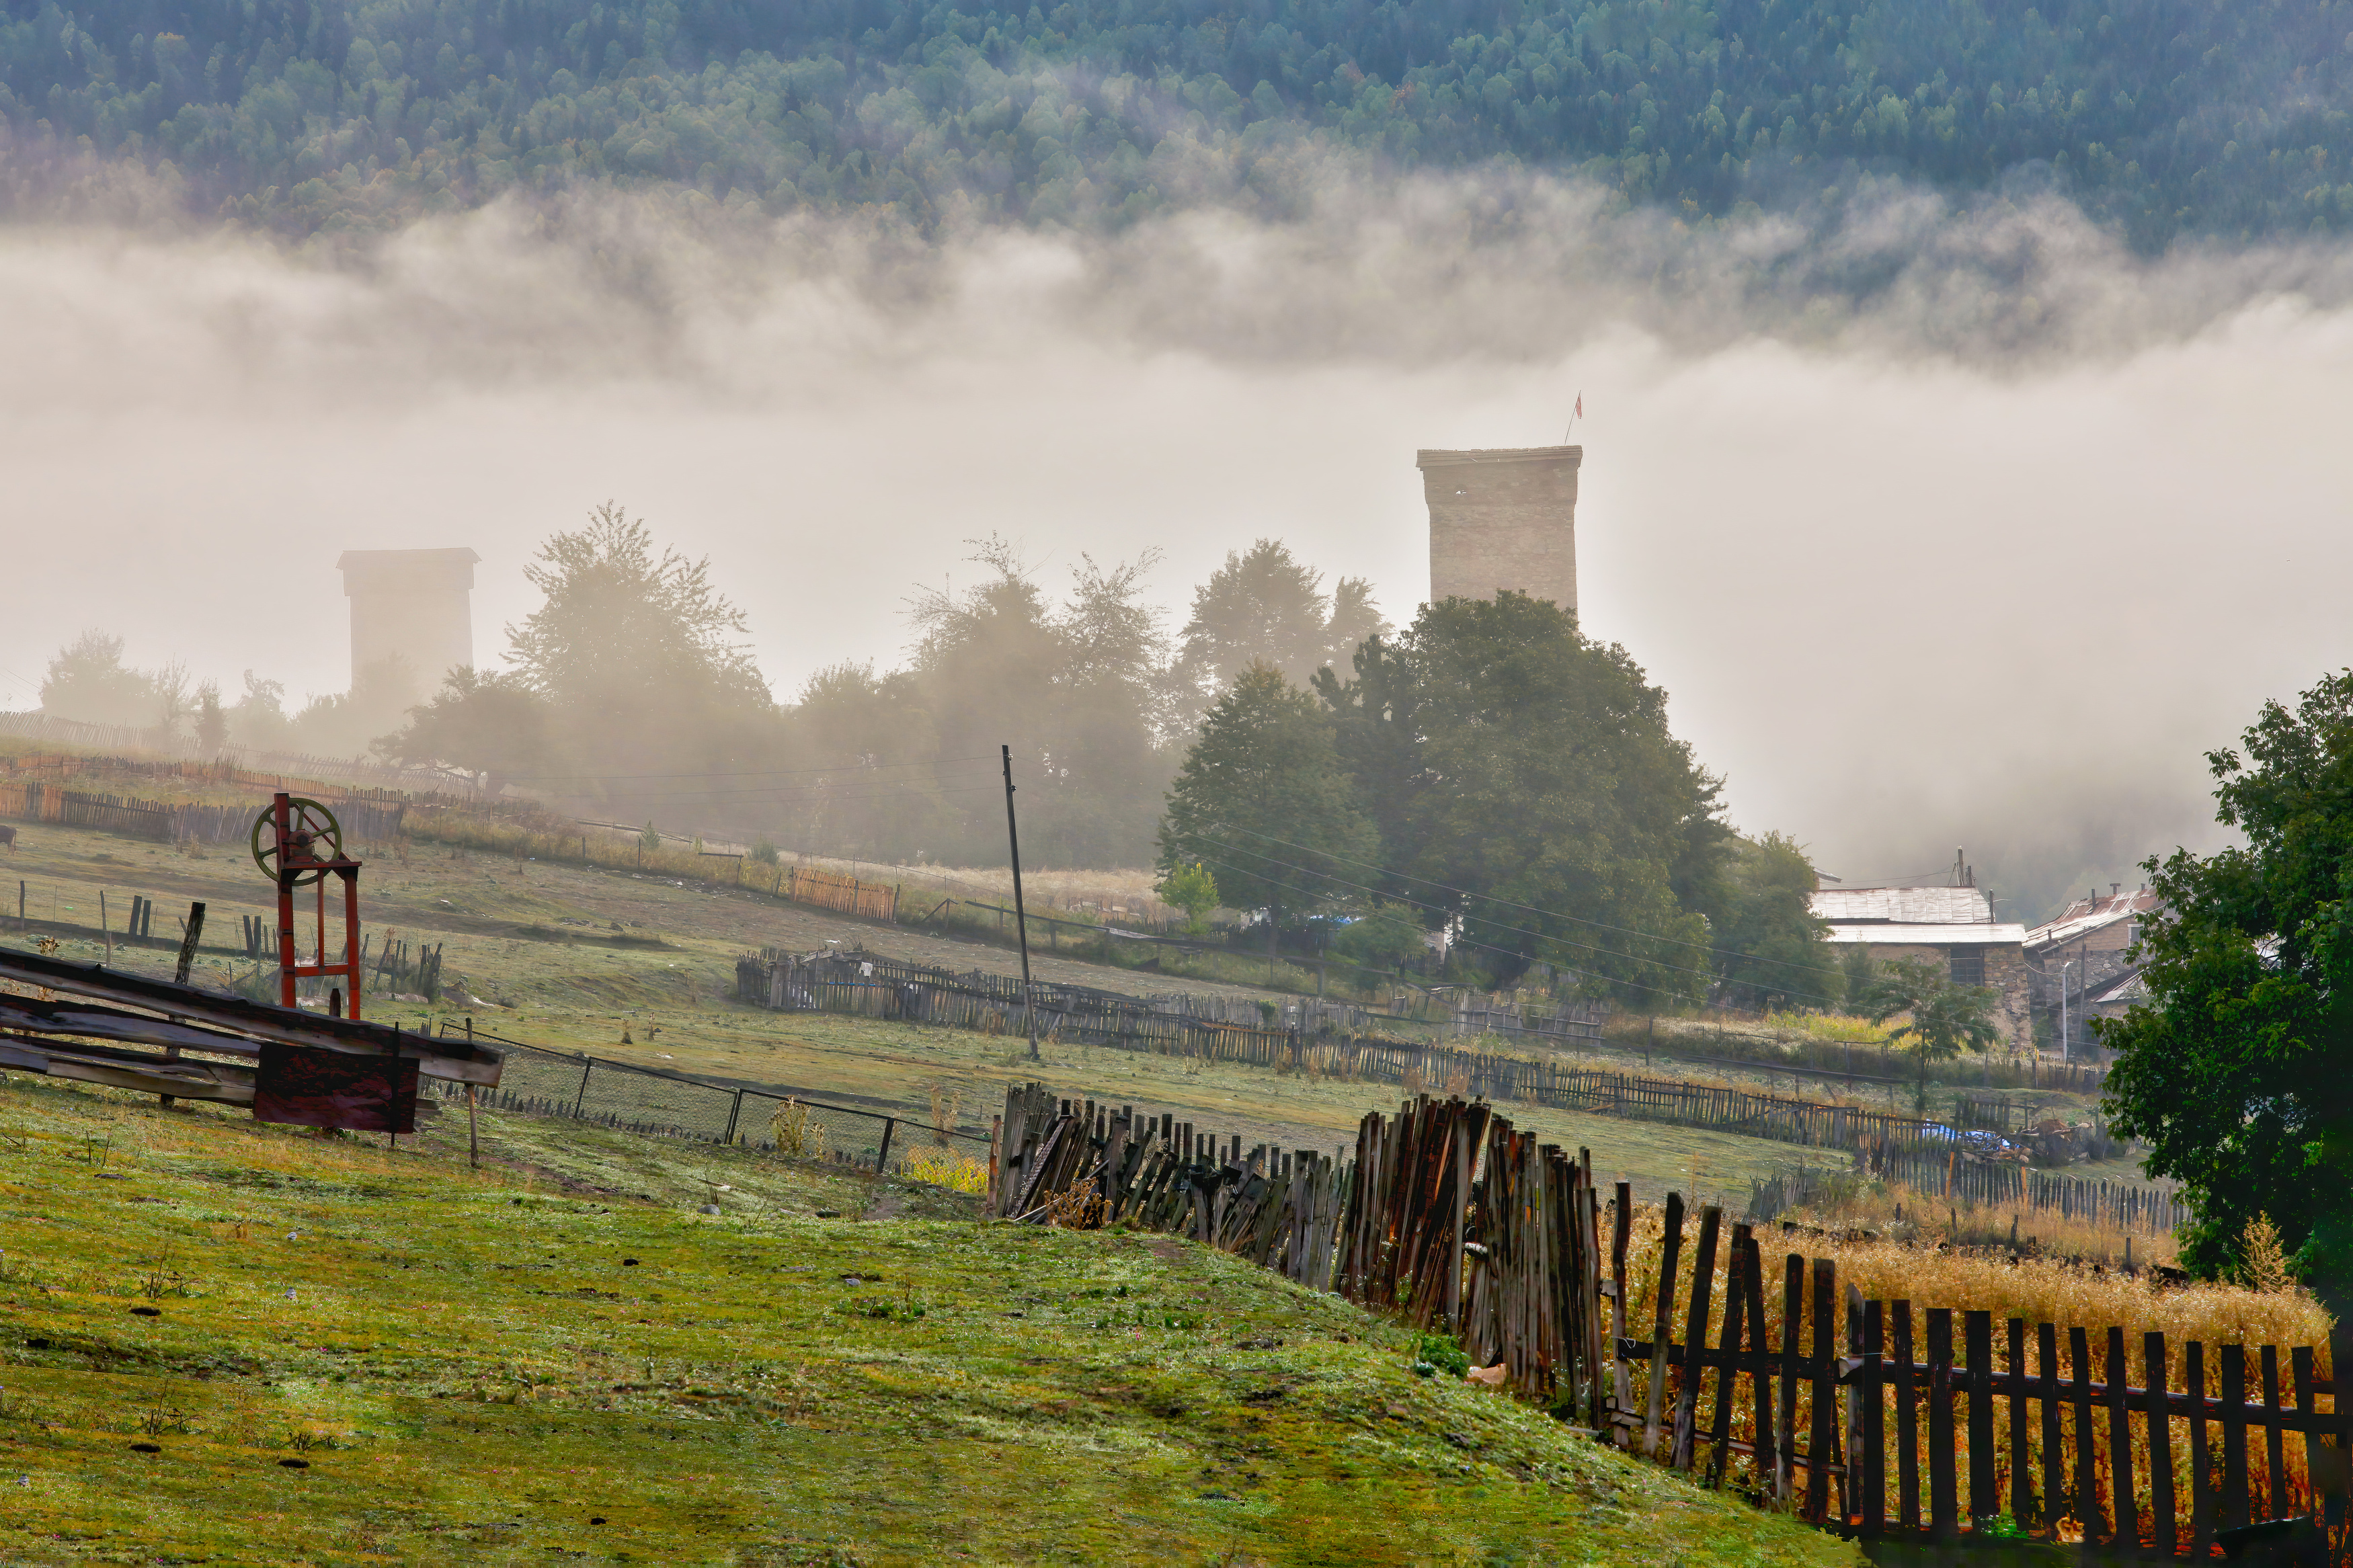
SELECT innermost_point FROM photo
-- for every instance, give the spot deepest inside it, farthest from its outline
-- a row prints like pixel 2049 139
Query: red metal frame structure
pixel 300 829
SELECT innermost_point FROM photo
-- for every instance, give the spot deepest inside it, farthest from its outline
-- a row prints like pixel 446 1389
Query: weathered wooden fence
pixel 832 890
pixel 1927 1439
pixel 876 987
pixel 1448 1215
pixel 363 819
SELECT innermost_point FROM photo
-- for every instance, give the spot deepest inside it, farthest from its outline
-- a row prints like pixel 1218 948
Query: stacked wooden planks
pixel 1085 1164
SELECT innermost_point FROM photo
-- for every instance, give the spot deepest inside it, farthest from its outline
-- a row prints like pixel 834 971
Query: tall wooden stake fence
pixel 1867 1418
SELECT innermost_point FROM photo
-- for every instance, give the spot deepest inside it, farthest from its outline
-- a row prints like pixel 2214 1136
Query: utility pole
pixel 2066 1045
pixel 1020 920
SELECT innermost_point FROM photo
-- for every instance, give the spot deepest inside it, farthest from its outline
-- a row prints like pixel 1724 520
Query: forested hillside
pixel 2165 117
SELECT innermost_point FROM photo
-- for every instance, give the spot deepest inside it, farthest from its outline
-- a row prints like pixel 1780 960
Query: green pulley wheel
pixel 313 835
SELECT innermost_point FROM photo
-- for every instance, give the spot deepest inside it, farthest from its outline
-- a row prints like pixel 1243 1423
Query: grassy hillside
pixel 227 1343
pixel 2165 115
pixel 642 969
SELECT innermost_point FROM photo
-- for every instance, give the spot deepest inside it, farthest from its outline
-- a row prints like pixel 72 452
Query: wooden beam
pixel 461 1061
pixel 181 1077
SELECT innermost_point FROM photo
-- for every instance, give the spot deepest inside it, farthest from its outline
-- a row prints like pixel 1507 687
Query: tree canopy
pixel 1264 773
pixel 1941 1019
pixel 1524 780
pixel 1265 606
pixel 2238 1070
pixel 2163 116
pixel 87 681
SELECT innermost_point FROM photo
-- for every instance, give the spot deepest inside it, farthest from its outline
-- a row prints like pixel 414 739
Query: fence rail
pixel 652 1101
pixel 846 895
pixel 1450 1215
pixel 1950 1174
pixel 875 986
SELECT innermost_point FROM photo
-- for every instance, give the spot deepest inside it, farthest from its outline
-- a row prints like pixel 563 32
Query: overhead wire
pixel 1517 931
pixel 1509 904
pixel 1503 952
pixel 755 773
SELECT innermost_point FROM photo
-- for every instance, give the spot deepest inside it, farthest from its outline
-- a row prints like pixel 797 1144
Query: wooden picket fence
pixel 1082 1164
pixel 2066 1448
pixel 877 987
pixel 847 895
pixel 1867 1418
pixel 1947 1173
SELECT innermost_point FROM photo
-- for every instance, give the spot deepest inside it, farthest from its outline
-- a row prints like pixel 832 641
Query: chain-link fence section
pixel 659 1103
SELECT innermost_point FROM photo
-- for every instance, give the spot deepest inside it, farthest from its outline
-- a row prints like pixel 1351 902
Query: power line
pixel 1517 931
pixel 912 790
pixel 1507 953
pixel 751 772
pixel 1530 908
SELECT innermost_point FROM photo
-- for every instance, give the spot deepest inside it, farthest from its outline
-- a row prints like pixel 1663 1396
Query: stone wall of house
pixel 1502 519
pixel 2005 970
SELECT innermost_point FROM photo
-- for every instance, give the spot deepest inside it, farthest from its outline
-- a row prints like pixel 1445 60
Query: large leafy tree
pixel 88 681
pixel 644 698
pixel 1528 783
pixel 1941 1019
pixel 1769 945
pixel 487 725
pixel 1068 686
pixel 1263 801
pixel 1265 606
pixel 2238 1071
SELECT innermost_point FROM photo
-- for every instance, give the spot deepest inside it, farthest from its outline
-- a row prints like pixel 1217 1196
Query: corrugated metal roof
pixel 2118 993
pixel 1944 934
pixel 2084 916
pixel 1904 906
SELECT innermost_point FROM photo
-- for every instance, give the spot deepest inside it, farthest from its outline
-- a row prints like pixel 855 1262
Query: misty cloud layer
pixel 1943 526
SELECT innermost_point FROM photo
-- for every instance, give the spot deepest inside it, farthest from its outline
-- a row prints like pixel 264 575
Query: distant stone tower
pixel 1505 518
pixel 415 603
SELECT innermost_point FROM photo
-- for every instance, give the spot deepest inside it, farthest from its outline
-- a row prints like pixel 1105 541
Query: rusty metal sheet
pixel 331 1088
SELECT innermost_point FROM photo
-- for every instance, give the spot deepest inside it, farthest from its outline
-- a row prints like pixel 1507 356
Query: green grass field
pixel 227 1343
pixel 574 958
pixel 642 969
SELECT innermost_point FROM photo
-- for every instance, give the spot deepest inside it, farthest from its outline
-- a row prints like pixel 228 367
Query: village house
pixel 1954 926
pixel 2080 965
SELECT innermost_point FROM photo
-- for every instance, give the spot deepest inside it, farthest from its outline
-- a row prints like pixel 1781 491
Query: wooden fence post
pixel 1711 1220
pixel 2121 1491
pixel 1661 1336
pixel 1767 1454
pixel 2235 1435
pixel 2022 1470
pixel 1822 1436
pixel 1977 1334
pixel 2201 1490
pixel 2274 1456
pixel 2087 1480
pixel 1793 1323
pixel 1943 1484
pixel 2163 1538
pixel 1871 1436
pixel 1734 1299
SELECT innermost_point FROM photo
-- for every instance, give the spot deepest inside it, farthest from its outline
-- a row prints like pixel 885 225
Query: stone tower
pixel 1503 518
pixel 417 605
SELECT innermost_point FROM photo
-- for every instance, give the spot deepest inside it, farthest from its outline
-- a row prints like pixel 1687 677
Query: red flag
pixel 1580 405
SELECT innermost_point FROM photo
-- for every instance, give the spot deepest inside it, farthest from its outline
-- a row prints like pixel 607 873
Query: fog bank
pixel 1942 526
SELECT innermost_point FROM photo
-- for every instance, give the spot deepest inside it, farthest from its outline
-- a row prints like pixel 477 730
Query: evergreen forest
pixel 2163 119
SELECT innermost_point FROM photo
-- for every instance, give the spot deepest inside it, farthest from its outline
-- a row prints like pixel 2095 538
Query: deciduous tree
pixel 1262 799
pixel 2238 1070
